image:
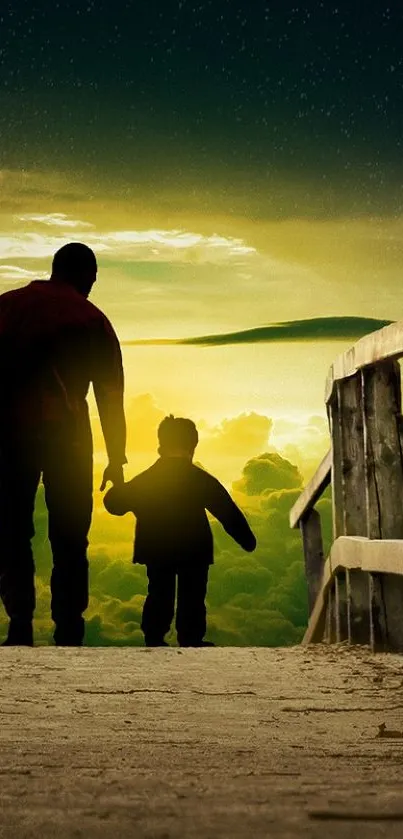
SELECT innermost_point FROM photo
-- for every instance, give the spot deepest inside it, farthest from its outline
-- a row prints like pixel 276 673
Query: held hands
pixel 114 474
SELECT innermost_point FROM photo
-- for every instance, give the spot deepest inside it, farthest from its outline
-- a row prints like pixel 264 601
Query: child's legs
pixel 159 606
pixel 191 608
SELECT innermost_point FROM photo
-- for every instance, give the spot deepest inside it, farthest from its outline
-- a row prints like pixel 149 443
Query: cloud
pixel 36 245
pixel 236 437
pixel 310 329
pixel 54 220
pixel 266 473
pixel 15 274
pixel 145 245
pixel 179 244
pixel 304 441
pixel 232 439
pixel 143 419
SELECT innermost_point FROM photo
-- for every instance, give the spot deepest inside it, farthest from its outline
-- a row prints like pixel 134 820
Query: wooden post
pixel 370 610
pixel 334 414
pixel 382 408
pixel 313 552
pixel 383 443
pixel 348 598
pixel 353 460
pixel 349 487
pixel 391 605
pixel 329 609
pixel 343 633
pixel 380 587
pixel 360 614
pixel 337 607
pixel 348 475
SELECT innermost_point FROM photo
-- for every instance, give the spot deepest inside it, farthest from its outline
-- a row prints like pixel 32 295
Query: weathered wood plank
pixel 313 553
pixel 382 409
pixel 382 555
pixel 342 619
pixel 361 607
pixel 312 491
pixel 316 624
pixel 392 604
pixel 386 343
pixel 360 556
pixel 335 423
pixel 354 497
pixel 337 608
pixel 348 603
pixel 381 637
pixel 372 528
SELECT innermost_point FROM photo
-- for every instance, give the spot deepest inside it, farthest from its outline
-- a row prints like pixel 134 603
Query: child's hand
pixel 114 474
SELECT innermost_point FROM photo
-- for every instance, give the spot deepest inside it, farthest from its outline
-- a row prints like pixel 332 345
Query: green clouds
pixel 310 329
pixel 267 473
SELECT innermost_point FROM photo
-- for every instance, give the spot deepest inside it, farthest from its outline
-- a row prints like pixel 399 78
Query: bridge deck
pixel 162 744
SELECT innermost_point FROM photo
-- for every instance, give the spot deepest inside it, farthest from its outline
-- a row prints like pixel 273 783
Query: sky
pixel 234 165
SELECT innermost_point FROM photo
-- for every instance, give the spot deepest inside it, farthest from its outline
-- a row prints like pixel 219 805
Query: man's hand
pixel 114 474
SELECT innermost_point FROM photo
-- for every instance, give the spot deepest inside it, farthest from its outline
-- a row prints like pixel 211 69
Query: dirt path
pixel 162 744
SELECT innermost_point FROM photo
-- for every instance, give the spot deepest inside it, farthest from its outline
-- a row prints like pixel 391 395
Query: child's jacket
pixel 170 500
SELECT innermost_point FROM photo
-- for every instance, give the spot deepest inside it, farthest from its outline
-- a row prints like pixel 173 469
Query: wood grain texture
pixel 386 343
pixel 312 491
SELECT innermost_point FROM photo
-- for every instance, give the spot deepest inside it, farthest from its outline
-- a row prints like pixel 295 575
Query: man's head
pixel 177 437
pixel 76 265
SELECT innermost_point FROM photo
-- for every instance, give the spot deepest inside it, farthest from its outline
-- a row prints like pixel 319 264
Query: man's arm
pixel 108 383
pixel 221 505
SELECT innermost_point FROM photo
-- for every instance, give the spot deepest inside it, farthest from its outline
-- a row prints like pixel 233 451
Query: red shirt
pixel 53 344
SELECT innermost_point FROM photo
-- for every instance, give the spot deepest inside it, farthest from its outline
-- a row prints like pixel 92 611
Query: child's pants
pixel 159 606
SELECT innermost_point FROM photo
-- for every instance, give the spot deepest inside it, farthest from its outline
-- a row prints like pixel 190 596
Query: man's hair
pixel 178 433
pixel 72 261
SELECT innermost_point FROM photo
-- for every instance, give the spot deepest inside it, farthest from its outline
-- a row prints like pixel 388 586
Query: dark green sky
pixel 232 94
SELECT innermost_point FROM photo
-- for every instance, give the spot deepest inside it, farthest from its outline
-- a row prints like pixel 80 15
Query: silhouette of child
pixel 173 538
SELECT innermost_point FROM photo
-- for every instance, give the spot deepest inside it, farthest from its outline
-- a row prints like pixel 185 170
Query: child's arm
pixel 221 505
pixel 121 499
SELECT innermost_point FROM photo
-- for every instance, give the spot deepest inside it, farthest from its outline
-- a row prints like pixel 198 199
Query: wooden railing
pixel 356 594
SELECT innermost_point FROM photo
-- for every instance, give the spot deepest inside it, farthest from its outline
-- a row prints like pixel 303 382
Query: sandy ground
pixel 210 743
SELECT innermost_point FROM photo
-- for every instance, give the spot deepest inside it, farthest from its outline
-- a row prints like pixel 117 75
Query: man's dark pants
pixel 159 606
pixel 65 464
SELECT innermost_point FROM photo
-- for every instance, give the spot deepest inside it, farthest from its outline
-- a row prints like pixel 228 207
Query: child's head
pixel 177 437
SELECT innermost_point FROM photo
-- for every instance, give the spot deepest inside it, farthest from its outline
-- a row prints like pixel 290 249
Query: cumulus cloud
pixel 143 419
pixel 232 440
pixel 238 436
pixel 304 441
pixel 266 473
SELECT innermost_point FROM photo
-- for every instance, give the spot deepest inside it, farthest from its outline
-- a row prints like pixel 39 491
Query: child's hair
pixel 178 433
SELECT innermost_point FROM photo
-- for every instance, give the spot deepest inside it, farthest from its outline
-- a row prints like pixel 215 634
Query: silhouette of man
pixel 173 537
pixel 53 343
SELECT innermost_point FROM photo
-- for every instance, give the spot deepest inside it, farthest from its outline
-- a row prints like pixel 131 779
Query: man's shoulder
pixel 47 293
pixel 97 313
pixel 14 294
